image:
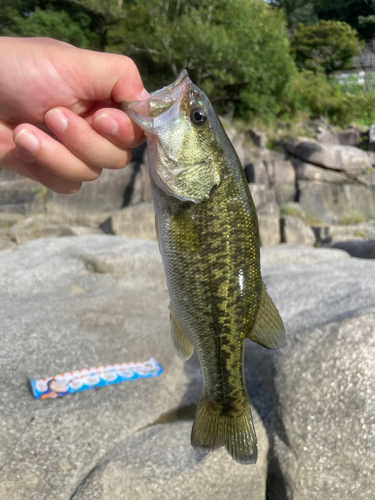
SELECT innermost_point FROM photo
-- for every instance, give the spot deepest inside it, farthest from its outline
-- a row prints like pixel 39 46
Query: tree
pixel 236 50
pixel 329 45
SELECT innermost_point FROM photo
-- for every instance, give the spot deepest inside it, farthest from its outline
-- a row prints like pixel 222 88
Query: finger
pixel 85 142
pixel 51 181
pixel 117 127
pixel 102 76
pixel 52 155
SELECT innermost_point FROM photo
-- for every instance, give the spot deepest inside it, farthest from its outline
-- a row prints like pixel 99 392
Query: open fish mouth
pixel 166 102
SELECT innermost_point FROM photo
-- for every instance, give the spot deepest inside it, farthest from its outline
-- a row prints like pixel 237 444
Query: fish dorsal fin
pixel 268 329
pixel 184 348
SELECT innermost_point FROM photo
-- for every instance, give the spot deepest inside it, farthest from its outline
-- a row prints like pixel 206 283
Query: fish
pixel 208 236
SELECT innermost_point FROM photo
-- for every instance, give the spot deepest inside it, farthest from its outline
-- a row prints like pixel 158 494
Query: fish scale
pixel 209 242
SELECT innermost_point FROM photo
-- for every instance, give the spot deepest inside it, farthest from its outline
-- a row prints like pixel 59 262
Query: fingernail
pixel 27 141
pixel 144 94
pixel 23 156
pixel 56 120
pixel 105 123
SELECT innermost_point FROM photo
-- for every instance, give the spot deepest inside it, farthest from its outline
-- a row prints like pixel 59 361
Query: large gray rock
pixel 327 234
pixel 256 173
pixel 359 249
pixel 349 137
pixel 68 303
pixel 282 178
pixel 333 203
pixel 110 192
pixel 295 231
pixel 347 158
pixel 322 436
pixel 154 463
pixel 21 195
pixel 261 195
pixel 137 221
pixel 307 171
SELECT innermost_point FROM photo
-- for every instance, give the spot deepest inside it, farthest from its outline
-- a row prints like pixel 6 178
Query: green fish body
pixel 209 242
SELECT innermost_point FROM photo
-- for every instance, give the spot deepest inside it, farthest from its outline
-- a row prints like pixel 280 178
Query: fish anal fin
pixel 184 348
pixel 268 329
pixel 211 430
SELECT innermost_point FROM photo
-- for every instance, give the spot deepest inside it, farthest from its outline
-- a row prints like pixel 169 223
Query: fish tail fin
pixel 211 430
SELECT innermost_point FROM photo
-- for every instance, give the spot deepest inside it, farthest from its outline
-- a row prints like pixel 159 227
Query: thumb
pixel 109 76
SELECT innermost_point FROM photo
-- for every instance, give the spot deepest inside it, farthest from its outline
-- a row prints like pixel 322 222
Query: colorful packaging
pixel 92 378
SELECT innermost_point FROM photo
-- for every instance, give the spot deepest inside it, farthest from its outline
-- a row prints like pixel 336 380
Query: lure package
pixel 92 378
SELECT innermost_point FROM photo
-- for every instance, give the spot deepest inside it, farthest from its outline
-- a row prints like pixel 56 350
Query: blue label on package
pixel 92 378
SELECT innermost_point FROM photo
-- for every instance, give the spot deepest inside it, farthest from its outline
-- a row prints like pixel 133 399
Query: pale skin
pixel 59 119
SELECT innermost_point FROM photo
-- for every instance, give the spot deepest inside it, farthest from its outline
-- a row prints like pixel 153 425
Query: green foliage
pixel 236 50
pixel 357 13
pixel 315 95
pixel 328 44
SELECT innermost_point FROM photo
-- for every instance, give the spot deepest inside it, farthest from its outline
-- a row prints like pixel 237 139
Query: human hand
pixel 59 119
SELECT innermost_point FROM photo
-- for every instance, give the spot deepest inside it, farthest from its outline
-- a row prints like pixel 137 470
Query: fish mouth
pixel 147 113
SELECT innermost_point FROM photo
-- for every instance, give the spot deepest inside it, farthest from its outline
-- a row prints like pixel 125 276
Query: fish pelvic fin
pixel 268 329
pixel 235 431
pixel 184 348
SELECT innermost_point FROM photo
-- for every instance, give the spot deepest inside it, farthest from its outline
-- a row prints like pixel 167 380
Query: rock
pixel 60 313
pixel 80 231
pixel 333 203
pixel 349 137
pixel 17 190
pixel 261 195
pixel 269 230
pixel 294 209
pixel 371 141
pixel 7 246
pixel 256 173
pixel 257 137
pixel 282 179
pixel 237 139
pixel 35 227
pixel 309 172
pixel 104 195
pixel 347 158
pixel 295 231
pixel 359 249
pixel 284 255
pixel 331 234
pixel 154 463
pixel 325 383
pixel 318 408
pixel 137 221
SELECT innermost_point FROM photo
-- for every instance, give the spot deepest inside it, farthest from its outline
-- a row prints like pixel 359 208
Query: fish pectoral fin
pixel 268 329
pixel 184 348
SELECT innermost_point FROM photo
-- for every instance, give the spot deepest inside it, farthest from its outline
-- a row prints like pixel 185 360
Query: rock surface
pixel 347 158
pixel 73 302
pixel 137 221
pixel 295 231
pixel 359 249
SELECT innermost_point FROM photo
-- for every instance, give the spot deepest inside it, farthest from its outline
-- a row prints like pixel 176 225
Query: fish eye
pixel 198 116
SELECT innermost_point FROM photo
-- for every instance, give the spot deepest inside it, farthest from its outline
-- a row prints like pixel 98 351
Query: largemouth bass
pixel 209 242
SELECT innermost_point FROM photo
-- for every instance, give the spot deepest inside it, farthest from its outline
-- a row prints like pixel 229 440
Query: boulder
pixel 347 158
pixel 19 192
pixel 327 234
pixel 349 137
pixel 256 173
pixel 35 227
pixel 359 249
pixel 62 310
pixel 154 463
pixel 7 246
pixel 294 209
pixel 257 137
pixel 137 221
pixel 308 172
pixel 111 191
pixel 282 178
pixel 261 195
pixel 269 230
pixel 295 231
pixel 334 203
pixel 238 141
pixel 285 255
pixel 319 413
